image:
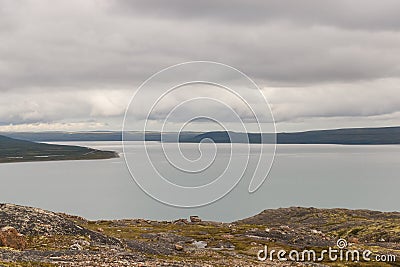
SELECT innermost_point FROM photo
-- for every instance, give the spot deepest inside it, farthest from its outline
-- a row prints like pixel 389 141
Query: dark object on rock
pixel 195 219
pixel 9 237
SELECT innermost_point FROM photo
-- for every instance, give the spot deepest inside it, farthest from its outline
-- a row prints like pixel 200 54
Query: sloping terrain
pixel 55 239
pixel 350 136
pixel 14 150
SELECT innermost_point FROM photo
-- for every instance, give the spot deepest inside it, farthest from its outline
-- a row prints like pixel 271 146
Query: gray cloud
pixel 355 14
pixel 80 48
pixel 335 100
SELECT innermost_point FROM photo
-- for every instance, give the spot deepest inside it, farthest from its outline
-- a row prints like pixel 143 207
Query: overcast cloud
pixel 75 64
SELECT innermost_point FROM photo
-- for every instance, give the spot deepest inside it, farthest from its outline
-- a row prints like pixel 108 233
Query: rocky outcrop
pixel 37 222
pixel 195 219
pixel 362 225
pixel 46 238
pixel 9 237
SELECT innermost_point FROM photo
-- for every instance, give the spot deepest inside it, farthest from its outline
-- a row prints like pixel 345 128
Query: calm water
pixel 326 176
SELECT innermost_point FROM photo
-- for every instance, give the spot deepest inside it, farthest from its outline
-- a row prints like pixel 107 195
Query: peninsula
pixel 15 150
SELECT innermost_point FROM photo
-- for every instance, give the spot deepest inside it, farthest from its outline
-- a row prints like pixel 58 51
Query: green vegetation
pixel 13 150
pixel 26 264
pixel 341 225
pixel 154 243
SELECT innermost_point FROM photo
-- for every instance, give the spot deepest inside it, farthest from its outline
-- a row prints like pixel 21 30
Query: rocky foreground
pixel 34 237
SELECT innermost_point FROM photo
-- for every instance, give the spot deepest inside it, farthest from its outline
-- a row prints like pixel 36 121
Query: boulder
pixel 9 237
pixel 195 219
pixel 76 246
pixel 181 222
pixel 200 244
pixel 178 247
pixel 37 222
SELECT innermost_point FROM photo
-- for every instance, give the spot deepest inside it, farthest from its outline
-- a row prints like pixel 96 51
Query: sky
pixel 74 65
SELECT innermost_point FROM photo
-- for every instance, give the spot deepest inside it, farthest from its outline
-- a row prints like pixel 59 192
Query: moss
pixel 338 225
pixel 355 231
pixel 56 242
pixel 26 264
pixel 359 264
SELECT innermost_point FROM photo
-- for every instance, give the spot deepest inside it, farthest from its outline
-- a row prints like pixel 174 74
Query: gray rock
pixel 200 244
pixel 34 222
pixel 76 247
pixel 195 219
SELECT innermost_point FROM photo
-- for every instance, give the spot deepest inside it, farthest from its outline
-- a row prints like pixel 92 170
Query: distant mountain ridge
pixel 349 136
pixel 346 136
pixel 58 136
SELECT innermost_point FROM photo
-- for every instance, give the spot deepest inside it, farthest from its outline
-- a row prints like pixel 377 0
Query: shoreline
pixel 112 155
pixel 16 150
pixel 56 160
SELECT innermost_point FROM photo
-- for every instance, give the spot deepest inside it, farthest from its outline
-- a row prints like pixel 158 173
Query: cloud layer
pixel 80 61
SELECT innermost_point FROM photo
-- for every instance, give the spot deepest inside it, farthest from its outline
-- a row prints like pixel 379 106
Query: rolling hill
pixel 14 150
pixel 347 136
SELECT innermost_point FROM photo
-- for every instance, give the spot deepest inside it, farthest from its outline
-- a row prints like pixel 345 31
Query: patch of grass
pixel 359 264
pixel 27 264
pixel 56 242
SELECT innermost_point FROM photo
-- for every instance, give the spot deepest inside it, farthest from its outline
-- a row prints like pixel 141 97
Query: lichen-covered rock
pixel 76 247
pixel 178 247
pixel 195 219
pixel 9 237
pixel 37 222
pixel 70 241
